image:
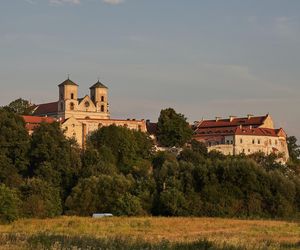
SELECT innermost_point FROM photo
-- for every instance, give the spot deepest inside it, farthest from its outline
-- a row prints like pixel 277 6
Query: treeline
pixel 47 175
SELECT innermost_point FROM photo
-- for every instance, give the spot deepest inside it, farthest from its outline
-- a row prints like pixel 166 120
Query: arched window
pixel 72 106
pixel 102 98
pixel 72 96
pixel 102 108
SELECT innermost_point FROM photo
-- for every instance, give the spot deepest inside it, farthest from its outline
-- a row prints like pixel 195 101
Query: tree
pixel 9 204
pixel 126 146
pixel 54 158
pixel 14 140
pixel 294 149
pixel 21 107
pixel 173 129
pixel 9 174
pixel 102 194
pixel 40 199
pixel 199 147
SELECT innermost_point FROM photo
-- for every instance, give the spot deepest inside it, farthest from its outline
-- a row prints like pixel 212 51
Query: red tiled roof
pixel 257 131
pixel 46 108
pixel 37 119
pixel 254 121
pixel 213 131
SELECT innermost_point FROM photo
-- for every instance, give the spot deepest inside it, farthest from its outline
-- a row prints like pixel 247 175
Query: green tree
pixel 14 140
pixel 126 145
pixel 40 199
pixel 173 203
pixel 102 194
pixel 9 174
pixel 21 107
pixel 294 149
pixel 9 204
pixel 173 129
pixel 54 158
pixel 96 162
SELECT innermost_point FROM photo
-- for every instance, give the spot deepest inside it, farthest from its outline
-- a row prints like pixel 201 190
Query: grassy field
pixel 149 233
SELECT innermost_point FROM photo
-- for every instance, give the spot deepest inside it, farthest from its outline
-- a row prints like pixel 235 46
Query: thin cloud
pixel 113 2
pixel 60 2
pixel 76 2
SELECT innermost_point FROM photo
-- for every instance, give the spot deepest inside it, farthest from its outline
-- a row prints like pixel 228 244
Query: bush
pixel 9 204
pixel 40 199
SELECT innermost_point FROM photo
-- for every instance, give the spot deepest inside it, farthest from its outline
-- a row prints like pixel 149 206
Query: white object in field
pixel 102 215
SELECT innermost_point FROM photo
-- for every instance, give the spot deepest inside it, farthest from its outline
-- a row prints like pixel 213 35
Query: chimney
pixel 218 118
pixel 231 118
pixel 249 116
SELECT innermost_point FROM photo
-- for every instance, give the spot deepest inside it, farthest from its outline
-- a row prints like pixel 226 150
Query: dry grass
pixel 247 233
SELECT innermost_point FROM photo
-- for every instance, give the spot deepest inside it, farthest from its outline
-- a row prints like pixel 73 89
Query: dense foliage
pixel 46 175
pixel 20 107
pixel 172 129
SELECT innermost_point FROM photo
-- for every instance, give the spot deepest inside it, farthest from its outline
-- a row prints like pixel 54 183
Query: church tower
pixel 68 97
pixel 100 98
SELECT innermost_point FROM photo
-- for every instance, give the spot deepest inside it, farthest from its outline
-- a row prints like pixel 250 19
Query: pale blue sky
pixel 203 58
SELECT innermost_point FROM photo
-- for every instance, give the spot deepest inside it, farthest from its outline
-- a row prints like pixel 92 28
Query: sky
pixel 204 58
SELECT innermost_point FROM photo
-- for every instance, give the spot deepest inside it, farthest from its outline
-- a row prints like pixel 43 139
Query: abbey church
pixel 79 116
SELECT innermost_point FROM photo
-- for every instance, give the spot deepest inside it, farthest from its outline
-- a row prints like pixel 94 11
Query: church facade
pixel 79 116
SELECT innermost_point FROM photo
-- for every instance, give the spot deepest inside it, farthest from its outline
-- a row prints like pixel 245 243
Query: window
pixel 86 104
pixel 241 141
pixel 227 142
pixel 270 141
pixel 253 141
pixel 102 108
pixel 72 96
pixel 102 98
pixel 258 141
pixel 249 150
pixel 276 142
pixel 72 106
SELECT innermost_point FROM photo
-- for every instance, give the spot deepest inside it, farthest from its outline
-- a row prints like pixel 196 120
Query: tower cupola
pixel 99 96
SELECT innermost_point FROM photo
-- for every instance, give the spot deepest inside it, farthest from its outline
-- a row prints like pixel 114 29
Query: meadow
pixel 149 233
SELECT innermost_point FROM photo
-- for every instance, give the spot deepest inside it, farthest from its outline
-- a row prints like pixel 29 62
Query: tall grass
pixel 149 233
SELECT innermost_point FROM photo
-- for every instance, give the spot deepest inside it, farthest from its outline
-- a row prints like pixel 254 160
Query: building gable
pixel 86 104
